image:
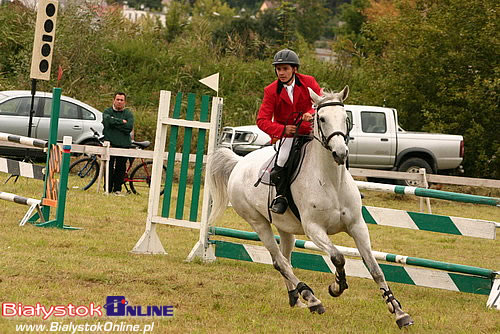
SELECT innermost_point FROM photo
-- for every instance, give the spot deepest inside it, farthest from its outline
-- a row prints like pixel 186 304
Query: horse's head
pixel 331 125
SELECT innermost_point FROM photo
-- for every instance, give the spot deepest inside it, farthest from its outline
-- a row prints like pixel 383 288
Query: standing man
pixel 118 124
pixel 286 102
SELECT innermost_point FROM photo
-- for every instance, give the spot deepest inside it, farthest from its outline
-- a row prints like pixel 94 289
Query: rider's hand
pixel 290 129
pixel 307 117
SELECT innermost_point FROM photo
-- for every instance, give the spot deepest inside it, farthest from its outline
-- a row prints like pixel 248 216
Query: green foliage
pixel 239 37
pixel 16 42
pixel 352 17
pixel 287 23
pixel 251 5
pixel 437 63
pixel 177 18
pixel 218 11
pixel 313 16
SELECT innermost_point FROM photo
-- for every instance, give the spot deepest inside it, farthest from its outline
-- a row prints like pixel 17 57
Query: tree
pixel 312 17
pixel 177 18
pixel 351 17
pixel 437 62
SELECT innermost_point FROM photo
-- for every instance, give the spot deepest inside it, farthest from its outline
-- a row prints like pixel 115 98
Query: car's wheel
pixel 413 165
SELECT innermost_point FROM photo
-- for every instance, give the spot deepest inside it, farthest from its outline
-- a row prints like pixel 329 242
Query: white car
pixel 244 139
pixel 75 117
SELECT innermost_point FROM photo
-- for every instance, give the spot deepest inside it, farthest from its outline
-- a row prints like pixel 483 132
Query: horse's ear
pixel 314 97
pixel 345 93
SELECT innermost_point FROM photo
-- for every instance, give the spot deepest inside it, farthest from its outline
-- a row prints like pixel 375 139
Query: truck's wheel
pixel 412 165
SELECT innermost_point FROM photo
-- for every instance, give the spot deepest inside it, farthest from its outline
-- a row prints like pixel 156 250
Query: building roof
pixel 268 4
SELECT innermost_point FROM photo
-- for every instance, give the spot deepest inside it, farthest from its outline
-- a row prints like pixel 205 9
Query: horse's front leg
pixel 361 237
pixel 287 242
pixel 282 264
pixel 320 238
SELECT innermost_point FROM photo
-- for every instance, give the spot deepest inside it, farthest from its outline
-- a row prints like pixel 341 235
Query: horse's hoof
pixel 300 304
pixel 404 321
pixel 317 308
pixel 334 293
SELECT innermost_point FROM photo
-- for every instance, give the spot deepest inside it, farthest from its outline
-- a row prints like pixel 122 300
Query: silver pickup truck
pixel 376 142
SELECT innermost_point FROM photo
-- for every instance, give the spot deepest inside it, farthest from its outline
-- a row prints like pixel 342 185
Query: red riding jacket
pixel 277 110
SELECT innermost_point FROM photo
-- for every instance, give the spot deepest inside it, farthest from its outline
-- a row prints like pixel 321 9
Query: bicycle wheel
pixel 140 178
pixel 83 173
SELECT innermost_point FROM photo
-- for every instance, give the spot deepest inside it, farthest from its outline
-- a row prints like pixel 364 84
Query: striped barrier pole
pixel 432 193
pixel 33 203
pixel 20 168
pixel 18 199
pixel 470 227
pixel 356 268
pixel 23 140
pixel 414 261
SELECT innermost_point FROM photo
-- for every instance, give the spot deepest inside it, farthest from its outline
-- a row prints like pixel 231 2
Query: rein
pixel 325 140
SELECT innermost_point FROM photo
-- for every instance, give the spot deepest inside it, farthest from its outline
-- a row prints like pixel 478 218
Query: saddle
pixel 292 166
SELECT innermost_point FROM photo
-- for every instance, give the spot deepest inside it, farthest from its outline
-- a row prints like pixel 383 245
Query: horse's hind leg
pixel 287 242
pixel 283 265
pixel 362 239
pixel 318 235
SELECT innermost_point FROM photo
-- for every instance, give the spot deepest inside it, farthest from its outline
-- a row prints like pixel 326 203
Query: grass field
pixel 56 267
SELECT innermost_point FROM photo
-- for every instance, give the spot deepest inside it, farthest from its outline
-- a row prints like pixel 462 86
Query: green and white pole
pixel 432 193
pixel 414 261
pixel 355 268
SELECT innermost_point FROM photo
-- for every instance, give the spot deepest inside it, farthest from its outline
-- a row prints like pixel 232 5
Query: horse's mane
pixel 329 95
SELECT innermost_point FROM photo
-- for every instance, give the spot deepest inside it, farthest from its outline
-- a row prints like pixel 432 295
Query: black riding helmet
pixel 286 56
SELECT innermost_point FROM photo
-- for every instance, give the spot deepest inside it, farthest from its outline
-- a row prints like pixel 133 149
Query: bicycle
pixel 84 172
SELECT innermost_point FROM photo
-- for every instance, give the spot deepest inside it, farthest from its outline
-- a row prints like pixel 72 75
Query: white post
pixel 425 185
pixel 150 242
pixel 104 170
pixel 494 297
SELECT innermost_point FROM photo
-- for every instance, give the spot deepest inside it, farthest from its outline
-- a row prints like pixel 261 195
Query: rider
pixel 286 101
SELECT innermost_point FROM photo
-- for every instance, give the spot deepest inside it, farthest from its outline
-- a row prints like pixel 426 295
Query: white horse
pixel 326 196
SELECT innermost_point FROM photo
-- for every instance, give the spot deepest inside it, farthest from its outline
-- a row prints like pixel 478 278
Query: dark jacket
pixel 115 131
pixel 277 110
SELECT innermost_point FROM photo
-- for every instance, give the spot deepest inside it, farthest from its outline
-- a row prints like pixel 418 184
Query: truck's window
pixel 373 122
pixel 349 115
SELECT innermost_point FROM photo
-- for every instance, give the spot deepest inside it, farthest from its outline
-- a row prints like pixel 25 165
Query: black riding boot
pixel 279 203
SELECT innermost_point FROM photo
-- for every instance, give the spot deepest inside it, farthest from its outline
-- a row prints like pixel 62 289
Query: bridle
pixel 324 140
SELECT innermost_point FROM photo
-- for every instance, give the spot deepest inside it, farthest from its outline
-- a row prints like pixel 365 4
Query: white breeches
pixel 284 151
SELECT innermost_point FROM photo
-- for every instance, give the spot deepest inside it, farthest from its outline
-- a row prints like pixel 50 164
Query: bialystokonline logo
pixel 116 306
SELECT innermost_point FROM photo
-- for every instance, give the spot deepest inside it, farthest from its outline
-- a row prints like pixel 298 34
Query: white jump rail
pixel 32 142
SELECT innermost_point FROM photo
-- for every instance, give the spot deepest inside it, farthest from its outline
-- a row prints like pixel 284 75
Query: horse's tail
pixel 221 164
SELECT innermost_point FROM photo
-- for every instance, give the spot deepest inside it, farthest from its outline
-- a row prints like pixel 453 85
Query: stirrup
pixel 279 204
